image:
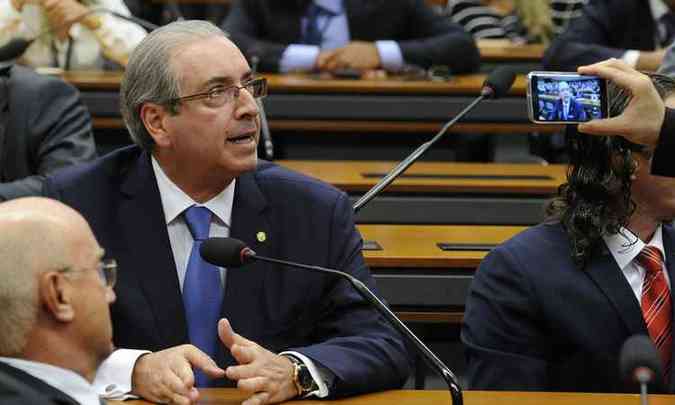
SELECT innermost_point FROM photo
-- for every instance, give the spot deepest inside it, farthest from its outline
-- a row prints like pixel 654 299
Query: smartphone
pixel 565 97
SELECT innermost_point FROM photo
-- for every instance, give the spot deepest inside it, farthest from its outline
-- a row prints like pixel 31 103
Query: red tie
pixel 656 305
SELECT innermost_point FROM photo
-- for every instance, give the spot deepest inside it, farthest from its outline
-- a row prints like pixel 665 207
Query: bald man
pixel 54 293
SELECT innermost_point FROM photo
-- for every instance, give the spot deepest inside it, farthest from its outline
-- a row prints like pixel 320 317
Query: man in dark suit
pixel 567 108
pixel 43 127
pixel 196 175
pixel 359 34
pixel 55 291
pixel 550 309
pixel 635 30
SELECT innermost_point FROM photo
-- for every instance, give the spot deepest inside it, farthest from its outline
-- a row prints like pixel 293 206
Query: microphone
pixel 496 85
pixel 640 363
pixel 232 253
pixel 268 145
pixel 17 46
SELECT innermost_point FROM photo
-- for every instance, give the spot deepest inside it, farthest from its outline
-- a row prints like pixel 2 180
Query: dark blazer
pixel 43 127
pixel 576 111
pixel 20 388
pixel 606 29
pixel 265 27
pixel 305 221
pixel 534 321
pixel 663 163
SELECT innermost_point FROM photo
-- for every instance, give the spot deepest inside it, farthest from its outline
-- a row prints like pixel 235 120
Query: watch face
pixel 305 379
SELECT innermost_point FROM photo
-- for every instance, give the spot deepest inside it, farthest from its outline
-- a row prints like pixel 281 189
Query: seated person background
pixel 562 12
pixel 486 19
pixel 550 309
pixel 43 127
pixel 98 41
pixel 54 291
pixel 567 108
pixel 359 34
pixel 633 30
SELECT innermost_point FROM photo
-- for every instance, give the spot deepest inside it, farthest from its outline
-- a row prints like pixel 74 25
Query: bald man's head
pixel 38 235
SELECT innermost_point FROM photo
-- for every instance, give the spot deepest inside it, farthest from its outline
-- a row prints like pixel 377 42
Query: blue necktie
pixel 313 35
pixel 202 291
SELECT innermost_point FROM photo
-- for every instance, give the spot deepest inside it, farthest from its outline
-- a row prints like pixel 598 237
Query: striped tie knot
pixel 651 259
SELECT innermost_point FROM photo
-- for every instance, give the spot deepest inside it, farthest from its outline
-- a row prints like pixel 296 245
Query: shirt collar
pixel 334 6
pixel 67 381
pixel 625 245
pixel 659 9
pixel 175 201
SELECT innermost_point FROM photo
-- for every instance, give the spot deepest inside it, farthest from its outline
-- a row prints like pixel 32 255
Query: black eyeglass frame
pixel 257 87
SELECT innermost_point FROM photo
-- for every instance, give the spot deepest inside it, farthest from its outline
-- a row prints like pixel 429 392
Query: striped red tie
pixel 656 305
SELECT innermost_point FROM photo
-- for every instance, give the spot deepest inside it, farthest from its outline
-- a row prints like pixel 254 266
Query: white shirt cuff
pixel 631 57
pixel 391 57
pixel 113 377
pixel 298 57
pixel 321 375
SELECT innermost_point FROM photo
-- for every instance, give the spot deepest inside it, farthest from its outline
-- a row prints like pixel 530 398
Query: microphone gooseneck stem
pixel 644 399
pixel 364 291
pixel 407 162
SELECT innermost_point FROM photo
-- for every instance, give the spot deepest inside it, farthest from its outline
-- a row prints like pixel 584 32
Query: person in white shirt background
pixel 75 36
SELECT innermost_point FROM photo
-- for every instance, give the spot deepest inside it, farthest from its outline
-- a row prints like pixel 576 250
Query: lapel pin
pixel 261 236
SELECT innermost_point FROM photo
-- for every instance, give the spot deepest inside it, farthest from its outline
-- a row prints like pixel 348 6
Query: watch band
pixel 302 378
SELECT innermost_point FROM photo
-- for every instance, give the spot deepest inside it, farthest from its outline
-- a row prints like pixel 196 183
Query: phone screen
pixel 566 98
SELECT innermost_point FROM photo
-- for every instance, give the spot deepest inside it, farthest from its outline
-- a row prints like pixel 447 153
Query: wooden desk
pixel 224 396
pixel 503 50
pixel 437 177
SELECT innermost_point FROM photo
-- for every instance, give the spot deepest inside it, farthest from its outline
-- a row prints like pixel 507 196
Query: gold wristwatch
pixel 302 378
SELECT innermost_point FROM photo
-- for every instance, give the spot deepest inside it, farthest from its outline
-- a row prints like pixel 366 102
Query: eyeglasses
pixel 221 95
pixel 106 269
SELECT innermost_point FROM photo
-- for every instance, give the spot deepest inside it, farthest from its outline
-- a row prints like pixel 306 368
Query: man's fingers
pixel 260 398
pixel 243 354
pixel 255 384
pixel 605 127
pixel 229 337
pixel 241 372
pixel 181 382
pixel 199 359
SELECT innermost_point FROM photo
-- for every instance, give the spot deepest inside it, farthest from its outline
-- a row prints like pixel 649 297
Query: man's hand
pixel 354 55
pixel 167 377
pixel 268 377
pixel 62 14
pixel 642 119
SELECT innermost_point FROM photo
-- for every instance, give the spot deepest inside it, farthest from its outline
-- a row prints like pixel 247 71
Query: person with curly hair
pixel 550 309
pixel 70 34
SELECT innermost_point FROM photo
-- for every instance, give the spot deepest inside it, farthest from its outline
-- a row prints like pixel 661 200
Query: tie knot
pixel 198 220
pixel 651 259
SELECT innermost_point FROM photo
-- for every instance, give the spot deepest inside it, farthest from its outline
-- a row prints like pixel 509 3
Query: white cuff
pixel 298 57
pixel 391 57
pixel 321 375
pixel 631 57
pixel 113 377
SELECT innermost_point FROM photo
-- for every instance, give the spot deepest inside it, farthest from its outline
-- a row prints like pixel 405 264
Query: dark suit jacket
pixel 576 111
pixel 606 29
pixel 663 163
pixel 265 27
pixel 43 127
pixel 534 321
pixel 305 221
pixel 20 388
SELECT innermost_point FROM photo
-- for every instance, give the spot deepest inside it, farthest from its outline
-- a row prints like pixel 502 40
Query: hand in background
pixel 62 14
pixel 268 377
pixel 355 55
pixel 642 119
pixel 166 376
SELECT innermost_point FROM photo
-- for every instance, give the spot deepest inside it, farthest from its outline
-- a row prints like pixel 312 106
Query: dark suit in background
pixel 20 388
pixel 279 308
pixel 606 29
pixel 534 321
pixel 43 127
pixel 576 111
pixel 265 28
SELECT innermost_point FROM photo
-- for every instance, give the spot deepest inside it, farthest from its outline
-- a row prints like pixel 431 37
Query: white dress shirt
pixel 659 9
pixel 335 30
pixel 625 247
pixel 66 381
pixel 115 39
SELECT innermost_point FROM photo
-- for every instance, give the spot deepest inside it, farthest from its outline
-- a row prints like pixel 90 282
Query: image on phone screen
pixel 567 98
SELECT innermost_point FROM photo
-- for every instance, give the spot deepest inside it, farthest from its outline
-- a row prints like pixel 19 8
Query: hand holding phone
pixel 565 98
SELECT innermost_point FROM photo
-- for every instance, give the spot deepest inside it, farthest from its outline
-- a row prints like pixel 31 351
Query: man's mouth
pixel 241 139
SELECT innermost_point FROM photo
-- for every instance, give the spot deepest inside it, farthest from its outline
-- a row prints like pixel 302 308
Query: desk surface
pixel 215 396
pixel 415 246
pixel 437 177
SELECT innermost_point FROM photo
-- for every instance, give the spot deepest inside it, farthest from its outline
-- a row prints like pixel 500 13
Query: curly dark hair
pixel 596 200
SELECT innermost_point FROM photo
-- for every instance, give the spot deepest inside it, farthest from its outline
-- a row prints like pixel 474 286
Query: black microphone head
pixel 640 362
pixel 498 82
pixel 14 48
pixel 225 252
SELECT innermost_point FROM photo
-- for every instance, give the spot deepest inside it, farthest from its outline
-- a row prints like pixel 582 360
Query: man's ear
pixel 55 293
pixel 154 117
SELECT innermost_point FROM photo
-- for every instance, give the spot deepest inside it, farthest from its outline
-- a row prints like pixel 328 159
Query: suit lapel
pixel 360 18
pixel 608 277
pixel 152 255
pixel 20 381
pixel 669 249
